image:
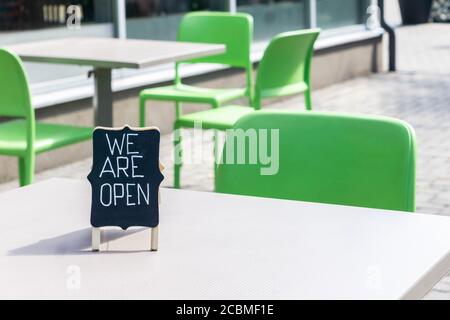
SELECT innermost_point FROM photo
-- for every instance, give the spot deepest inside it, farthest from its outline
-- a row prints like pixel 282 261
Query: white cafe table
pixel 105 54
pixel 215 246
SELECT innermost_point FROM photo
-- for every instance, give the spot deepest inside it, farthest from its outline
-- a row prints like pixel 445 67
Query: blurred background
pixel 387 57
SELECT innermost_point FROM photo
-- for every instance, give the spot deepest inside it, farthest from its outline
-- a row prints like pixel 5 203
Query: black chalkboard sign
pixel 125 177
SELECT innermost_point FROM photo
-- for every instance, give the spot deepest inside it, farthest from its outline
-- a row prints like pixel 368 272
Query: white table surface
pixel 215 246
pixel 106 54
pixel 112 53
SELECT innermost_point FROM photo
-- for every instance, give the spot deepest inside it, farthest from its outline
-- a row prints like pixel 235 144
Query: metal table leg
pixel 103 100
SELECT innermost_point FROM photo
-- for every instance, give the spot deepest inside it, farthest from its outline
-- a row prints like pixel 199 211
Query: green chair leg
pixel 178 109
pixel 178 157
pixel 26 170
pixel 308 103
pixel 178 148
pixel 21 171
pixel 142 121
pixel 216 152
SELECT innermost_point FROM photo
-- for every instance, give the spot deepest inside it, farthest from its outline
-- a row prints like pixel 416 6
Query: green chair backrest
pixel 234 30
pixel 322 157
pixel 15 99
pixel 285 66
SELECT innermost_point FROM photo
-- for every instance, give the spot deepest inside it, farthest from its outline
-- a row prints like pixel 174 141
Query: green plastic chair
pixel 235 31
pixel 23 137
pixel 286 67
pixel 342 159
pixel 284 70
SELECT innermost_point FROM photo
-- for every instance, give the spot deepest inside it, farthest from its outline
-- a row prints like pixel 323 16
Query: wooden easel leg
pixel 96 239
pixel 154 239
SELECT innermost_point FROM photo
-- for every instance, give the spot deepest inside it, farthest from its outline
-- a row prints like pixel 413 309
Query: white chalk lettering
pixel 124 161
pixel 122 168
pixel 133 166
pixel 115 145
pixel 140 192
pixel 109 194
pixel 129 195
pixel 110 169
pixel 130 143
pixel 116 193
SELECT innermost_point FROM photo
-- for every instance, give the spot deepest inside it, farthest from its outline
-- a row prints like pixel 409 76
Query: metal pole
pixel 120 16
pixel 232 6
pixel 103 102
pixel 390 31
pixel 312 14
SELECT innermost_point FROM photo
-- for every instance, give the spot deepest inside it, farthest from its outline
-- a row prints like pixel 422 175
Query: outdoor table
pixel 217 246
pixel 105 54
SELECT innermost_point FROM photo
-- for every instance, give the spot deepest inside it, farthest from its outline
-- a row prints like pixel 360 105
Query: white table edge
pixel 212 49
pixel 426 283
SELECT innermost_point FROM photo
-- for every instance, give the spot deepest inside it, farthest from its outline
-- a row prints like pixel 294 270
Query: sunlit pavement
pixel 418 93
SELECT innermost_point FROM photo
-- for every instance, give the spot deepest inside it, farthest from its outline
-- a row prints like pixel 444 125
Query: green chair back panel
pixel 329 158
pixel 15 100
pixel 285 66
pixel 235 31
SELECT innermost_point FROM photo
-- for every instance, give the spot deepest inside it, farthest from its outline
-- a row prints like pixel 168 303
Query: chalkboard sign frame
pixel 133 145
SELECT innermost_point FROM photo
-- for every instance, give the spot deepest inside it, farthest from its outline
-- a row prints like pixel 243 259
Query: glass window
pixel 340 13
pixel 274 16
pixel 155 19
pixel 31 20
pixel 38 14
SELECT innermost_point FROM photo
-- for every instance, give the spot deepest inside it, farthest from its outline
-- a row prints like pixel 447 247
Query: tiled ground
pixel 418 93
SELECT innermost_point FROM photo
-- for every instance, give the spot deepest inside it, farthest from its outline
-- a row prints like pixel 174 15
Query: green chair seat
pixel 185 93
pixel 47 137
pixel 221 118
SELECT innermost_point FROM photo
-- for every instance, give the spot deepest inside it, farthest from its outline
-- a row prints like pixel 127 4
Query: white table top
pixel 112 53
pixel 215 246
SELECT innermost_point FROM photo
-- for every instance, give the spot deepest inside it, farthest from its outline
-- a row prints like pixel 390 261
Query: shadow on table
pixel 73 243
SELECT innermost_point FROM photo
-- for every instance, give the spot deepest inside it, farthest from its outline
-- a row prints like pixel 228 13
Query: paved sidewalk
pixel 418 93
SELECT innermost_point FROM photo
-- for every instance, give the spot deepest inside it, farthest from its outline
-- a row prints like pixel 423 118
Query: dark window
pixel 149 8
pixel 340 13
pixel 38 14
pixel 159 19
pixel 274 16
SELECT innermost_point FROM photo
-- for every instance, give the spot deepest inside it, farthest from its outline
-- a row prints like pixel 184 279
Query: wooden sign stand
pixel 97 238
pixel 125 179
